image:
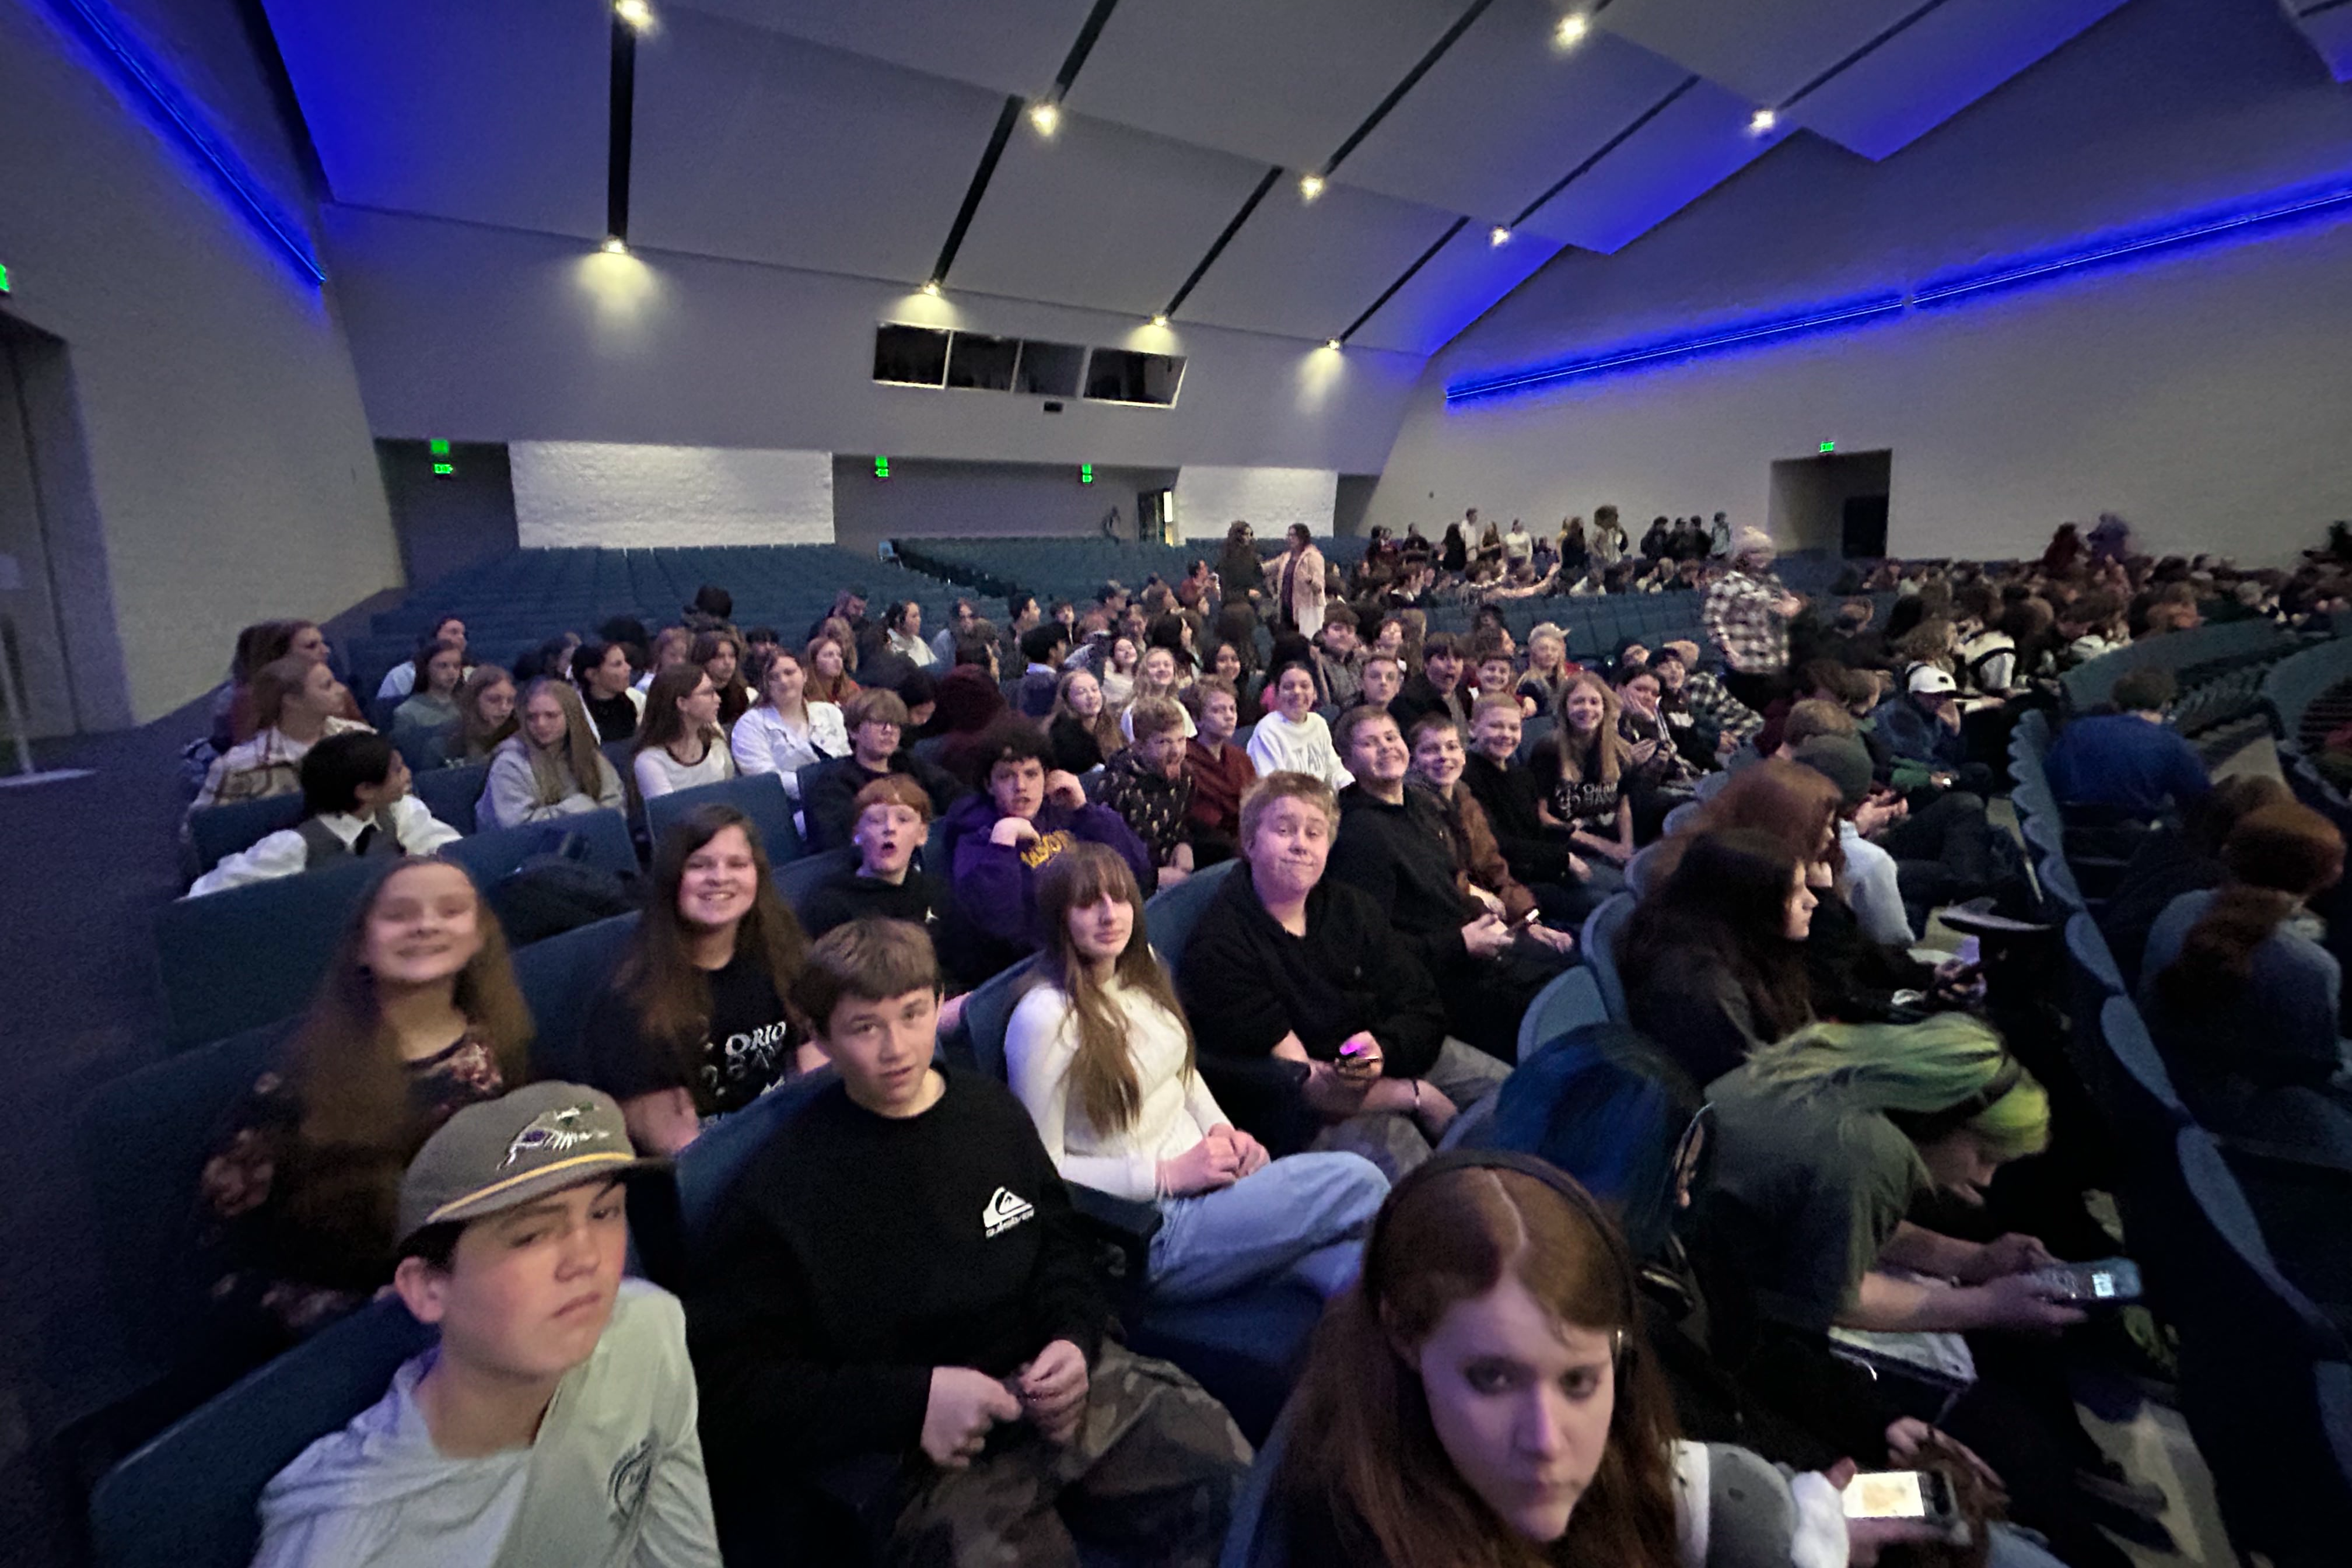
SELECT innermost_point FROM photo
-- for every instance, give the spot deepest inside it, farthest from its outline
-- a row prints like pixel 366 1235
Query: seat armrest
pixel 1124 1225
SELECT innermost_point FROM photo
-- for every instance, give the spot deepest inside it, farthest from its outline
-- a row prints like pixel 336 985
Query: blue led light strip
pixel 2274 210
pixel 103 28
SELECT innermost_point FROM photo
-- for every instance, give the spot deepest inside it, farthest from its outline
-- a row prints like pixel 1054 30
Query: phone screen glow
pixel 1885 1494
pixel 2103 1285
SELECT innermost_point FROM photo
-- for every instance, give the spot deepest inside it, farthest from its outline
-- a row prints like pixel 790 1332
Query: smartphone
pixel 1923 1495
pixel 1352 1048
pixel 2110 1281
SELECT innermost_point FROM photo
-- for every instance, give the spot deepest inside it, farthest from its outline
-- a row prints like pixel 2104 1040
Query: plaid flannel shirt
pixel 1710 704
pixel 1741 622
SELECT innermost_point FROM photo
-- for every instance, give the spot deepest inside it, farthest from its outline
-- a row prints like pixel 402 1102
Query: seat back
pixel 235 959
pixel 188 1500
pixel 761 797
pixel 1255 1536
pixel 1601 930
pixel 1536 731
pixel 1169 917
pixel 707 1168
pixel 1567 1003
pixel 451 793
pixel 561 979
pixel 220 831
pixel 797 880
pixel 988 1013
pixel 142 1141
pixel 2136 1090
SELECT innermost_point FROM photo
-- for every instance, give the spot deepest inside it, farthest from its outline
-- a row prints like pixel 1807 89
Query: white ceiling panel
pixel 1938 67
pixel 1283 82
pixel 1308 268
pixel 1005 45
pixel 1460 284
pixel 761 147
pixel 490 110
pixel 1696 142
pixel 1506 113
pixel 1099 215
pixel 1765 49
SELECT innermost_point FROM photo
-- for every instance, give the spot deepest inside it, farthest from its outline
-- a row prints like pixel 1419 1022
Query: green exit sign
pixel 5 284
pixel 1086 473
pixel 440 447
pixel 881 468
pixel 443 470
pixel 1829 447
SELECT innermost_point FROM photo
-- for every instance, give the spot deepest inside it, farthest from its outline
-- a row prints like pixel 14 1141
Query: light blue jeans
pixel 1305 1215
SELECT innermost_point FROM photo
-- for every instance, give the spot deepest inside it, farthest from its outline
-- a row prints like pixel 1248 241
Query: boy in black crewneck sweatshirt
pixel 899 1271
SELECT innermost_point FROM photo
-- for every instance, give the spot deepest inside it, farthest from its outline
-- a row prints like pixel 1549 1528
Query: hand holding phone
pixel 2110 1282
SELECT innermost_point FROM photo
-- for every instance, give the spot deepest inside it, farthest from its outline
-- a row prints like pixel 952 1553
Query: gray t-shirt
pixel 1808 1190
pixel 615 1479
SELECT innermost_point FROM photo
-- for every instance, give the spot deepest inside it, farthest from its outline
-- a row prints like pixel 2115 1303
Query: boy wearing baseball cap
pixel 898 1272
pixel 554 1423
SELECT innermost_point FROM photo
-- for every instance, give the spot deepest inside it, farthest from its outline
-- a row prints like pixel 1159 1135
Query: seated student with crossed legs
pixel 898 1271
pixel 1099 1052
pixel 355 803
pixel 555 1421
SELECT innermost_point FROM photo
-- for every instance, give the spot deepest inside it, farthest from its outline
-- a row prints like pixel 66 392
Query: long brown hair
pixel 1788 801
pixel 1103 726
pixel 664 721
pixel 2277 857
pixel 670 994
pixel 1369 1456
pixel 1102 1074
pixel 475 739
pixel 275 684
pixel 358 1130
pixel 1607 754
pixel 1727 897
pixel 578 747
pixel 735 695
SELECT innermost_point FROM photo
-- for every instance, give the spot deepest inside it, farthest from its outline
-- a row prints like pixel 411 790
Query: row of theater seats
pixel 2265 1373
pixel 186 1498
pixel 2309 697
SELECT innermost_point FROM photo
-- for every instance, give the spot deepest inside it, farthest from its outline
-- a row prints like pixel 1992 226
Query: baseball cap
pixel 1929 678
pixel 1841 759
pixel 504 1153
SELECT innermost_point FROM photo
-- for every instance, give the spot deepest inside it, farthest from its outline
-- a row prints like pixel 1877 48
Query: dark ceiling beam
pixel 621 136
pixel 1421 262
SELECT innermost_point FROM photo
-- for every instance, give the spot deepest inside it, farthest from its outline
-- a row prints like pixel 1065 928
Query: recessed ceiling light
pixel 1310 186
pixel 1046 115
pixel 1572 30
pixel 1763 120
pixel 1159 320
pixel 615 246
pixel 638 13
pixel 1499 234
pixel 931 287
pixel 1331 342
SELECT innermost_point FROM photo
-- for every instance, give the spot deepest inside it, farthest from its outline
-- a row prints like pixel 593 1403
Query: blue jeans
pixel 1305 1215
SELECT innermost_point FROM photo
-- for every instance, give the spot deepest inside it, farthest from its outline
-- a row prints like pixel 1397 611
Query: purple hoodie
pixel 996 885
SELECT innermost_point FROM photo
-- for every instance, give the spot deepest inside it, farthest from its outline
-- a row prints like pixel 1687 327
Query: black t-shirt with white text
pixel 749 1047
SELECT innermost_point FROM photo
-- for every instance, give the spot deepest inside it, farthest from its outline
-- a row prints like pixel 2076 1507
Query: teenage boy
pixel 1147 785
pixel 893 815
pixel 1338 661
pixel 555 1422
pixel 876 719
pixel 1221 772
pixel 898 1271
pixel 355 803
pixel 1045 647
pixel 1383 678
pixel 1438 686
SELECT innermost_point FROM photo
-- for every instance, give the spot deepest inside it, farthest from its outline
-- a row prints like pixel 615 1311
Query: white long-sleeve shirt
pixel 1277 745
pixel 768 743
pixel 283 853
pixel 1174 1110
pixel 659 774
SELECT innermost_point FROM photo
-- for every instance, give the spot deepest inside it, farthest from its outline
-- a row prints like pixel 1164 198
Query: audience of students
pixel 681 744
pixel 554 1419
pixel 1292 737
pixel 876 721
pixel 1712 961
pixel 1084 726
pixel 787 730
pixel 355 805
pixel 296 702
pixel 1150 788
pixel 898 1272
pixel 2128 760
pixel 1585 773
pixel 403 680
pixel 550 767
pixel 486 717
pixel 431 705
pixel 608 689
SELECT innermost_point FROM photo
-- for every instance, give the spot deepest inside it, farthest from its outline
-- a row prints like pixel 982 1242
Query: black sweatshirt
pixel 1399 855
pixel 858 1252
pixel 1245 982
pixel 1512 799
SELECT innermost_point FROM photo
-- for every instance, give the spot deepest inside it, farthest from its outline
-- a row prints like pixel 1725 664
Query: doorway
pixel 1836 502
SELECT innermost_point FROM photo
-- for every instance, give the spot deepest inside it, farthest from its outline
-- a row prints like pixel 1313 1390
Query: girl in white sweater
pixel 1293 738
pixel 681 744
pixel 1099 1052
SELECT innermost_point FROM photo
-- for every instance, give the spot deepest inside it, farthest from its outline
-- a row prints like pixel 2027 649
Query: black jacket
pixel 1399 855
pixel 1512 799
pixel 829 795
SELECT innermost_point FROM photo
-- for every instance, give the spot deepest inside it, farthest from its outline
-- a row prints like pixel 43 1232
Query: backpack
pixel 558 891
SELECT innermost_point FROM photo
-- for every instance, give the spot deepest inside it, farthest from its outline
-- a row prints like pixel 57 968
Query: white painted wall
pixel 614 495
pixel 1209 500
pixel 493 336
pixel 925 498
pixel 2206 397
pixel 230 475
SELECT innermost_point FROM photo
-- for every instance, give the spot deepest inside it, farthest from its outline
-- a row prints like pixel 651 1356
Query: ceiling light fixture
pixel 635 13
pixel 615 246
pixel 1499 234
pixel 931 287
pixel 1159 320
pixel 1572 30
pixel 1310 186
pixel 1762 121
pixel 1046 116
pixel 1332 343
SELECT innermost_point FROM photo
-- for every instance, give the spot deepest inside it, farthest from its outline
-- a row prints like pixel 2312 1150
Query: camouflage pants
pixel 1150 1477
